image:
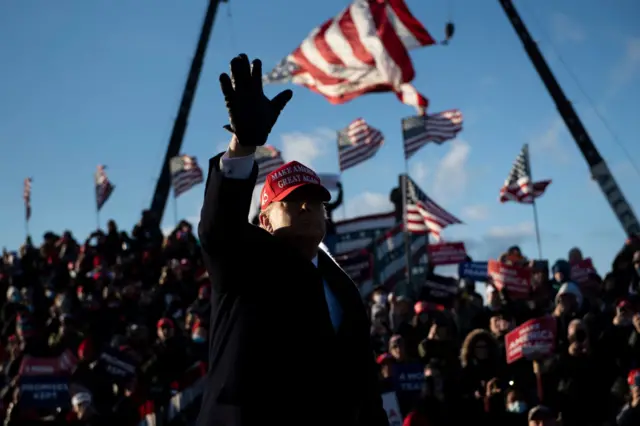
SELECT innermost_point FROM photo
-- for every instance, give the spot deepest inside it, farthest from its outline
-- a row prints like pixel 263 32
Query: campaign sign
pixel 116 365
pixel 581 270
pixel 439 289
pixel 446 253
pixel 44 392
pixel 516 280
pixel 477 271
pixel 534 339
pixel 408 377
pixel 392 408
pixel 40 366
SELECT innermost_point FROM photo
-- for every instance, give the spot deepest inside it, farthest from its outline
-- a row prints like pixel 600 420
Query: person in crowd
pixel 340 381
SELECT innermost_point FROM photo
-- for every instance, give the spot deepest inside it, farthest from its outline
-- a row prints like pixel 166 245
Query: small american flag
pixel 422 213
pixel 357 143
pixel 420 130
pixel 104 188
pixel 185 174
pixel 518 186
pixel 364 49
pixel 26 195
pixel 268 159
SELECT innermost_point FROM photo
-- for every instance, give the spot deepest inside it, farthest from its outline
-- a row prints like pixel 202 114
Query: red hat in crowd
pixel 385 357
pixel 420 307
pixel 165 322
pixel 633 379
pixel 286 179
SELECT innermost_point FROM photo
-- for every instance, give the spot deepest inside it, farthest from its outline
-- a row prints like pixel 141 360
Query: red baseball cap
pixel 633 379
pixel 286 179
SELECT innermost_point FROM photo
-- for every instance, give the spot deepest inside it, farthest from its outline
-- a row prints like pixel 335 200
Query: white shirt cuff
pixel 236 167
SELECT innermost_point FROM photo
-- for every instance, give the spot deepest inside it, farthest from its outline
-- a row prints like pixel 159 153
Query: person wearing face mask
pixel 199 347
pixel 516 408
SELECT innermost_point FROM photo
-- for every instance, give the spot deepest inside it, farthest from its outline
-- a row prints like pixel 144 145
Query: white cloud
pixel 476 212
pixel 306 147
pixel 627 69
pixel 496 240
pixel 420 172
pixel 524 229
pixel 451 175
pixel 364 204
pixel 549 143
pixel 565 29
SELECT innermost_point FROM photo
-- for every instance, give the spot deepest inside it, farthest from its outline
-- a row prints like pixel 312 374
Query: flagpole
pixel 97 216
pixel 535 219
pixel 533 204
pixel 26 227
pixel 344 208
pixel 407 236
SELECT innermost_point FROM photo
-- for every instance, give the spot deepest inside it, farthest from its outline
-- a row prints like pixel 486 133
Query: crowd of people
pixel 591 379
pixel 94 330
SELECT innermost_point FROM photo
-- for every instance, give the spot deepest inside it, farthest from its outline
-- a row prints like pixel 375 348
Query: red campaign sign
pixel 514 279
pixel 534 339
pixel 446 253
pixel 581 270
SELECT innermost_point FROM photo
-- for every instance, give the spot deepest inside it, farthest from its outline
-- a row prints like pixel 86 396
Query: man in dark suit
pixel 289 340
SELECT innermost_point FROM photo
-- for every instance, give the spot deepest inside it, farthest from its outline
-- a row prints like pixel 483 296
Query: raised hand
pixel 251 114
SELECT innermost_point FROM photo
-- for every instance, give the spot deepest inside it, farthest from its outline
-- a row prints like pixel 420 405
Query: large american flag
pixel 104 188
pixel 26 195
pixel 268 159
pixel 422 213
pixel 364 49
pixel 420 130
pixel 185 173
pixel 518 186
pixel 357 143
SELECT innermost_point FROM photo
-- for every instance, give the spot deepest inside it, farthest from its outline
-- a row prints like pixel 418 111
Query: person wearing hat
pixel 268 279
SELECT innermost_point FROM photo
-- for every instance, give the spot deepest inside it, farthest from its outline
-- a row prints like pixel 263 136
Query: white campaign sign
pixel 390 405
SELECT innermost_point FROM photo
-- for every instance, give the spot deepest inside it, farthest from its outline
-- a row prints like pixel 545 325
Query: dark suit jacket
pixel 275 357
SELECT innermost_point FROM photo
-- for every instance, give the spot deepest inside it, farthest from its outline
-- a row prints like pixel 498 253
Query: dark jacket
pixel 274 354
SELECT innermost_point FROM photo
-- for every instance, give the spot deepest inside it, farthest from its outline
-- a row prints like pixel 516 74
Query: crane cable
pixel 588 98
pixel 232 34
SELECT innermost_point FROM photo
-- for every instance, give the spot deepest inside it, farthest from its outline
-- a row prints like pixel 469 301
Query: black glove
pixel 251 113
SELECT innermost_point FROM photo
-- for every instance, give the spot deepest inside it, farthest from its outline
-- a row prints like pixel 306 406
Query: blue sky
pixel 88 82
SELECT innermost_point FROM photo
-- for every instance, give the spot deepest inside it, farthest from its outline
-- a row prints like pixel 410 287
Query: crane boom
pixel 599 169
pixel 163 186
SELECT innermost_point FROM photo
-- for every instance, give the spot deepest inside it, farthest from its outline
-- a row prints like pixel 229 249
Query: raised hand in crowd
pixel 251 114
